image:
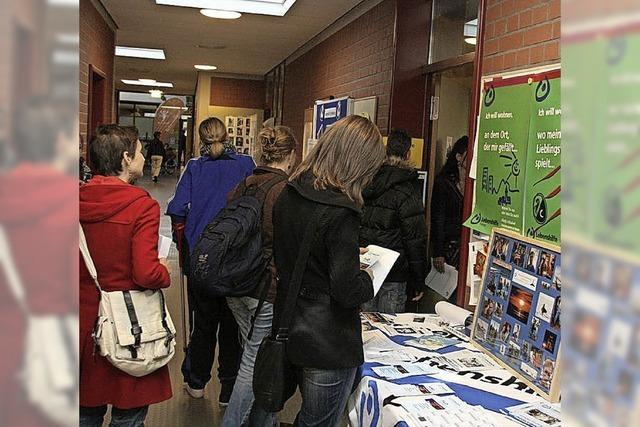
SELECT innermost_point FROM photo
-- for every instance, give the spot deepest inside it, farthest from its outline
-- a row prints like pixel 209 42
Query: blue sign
pixel 327 113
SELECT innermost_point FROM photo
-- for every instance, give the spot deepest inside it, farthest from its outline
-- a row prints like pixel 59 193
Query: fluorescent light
pixel 68 38
pixel 63 2
pixel 148 81
pixel 470 40
pixel 220 14
pixel 205 67
pixel 156 93
pixel 140 82
pixel 140 52
pixel 261 7
pixel 171 107
pixel 150 114
pixel 471 28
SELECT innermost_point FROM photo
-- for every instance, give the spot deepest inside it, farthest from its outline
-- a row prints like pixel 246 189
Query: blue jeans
pixel 324 396
pixel 94 417
pixel 391 299
pixel 241 411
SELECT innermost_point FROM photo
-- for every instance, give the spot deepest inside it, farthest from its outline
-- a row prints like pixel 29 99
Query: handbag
pixel 134 330
pixel 274 379
pixel 49 372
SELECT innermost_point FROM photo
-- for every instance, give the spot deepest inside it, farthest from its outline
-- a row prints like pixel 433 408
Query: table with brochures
pixel 421 371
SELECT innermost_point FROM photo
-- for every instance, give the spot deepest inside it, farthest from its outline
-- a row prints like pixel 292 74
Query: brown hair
pixel 346 157
pixel 108 147
pixel 276 143
pixel 213 135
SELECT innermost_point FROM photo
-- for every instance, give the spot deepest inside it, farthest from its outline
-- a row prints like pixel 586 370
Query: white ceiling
pixel 251 45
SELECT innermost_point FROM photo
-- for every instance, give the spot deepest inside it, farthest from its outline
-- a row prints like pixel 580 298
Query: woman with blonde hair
pixel 201 193
pixel 277 156
pixel 316 225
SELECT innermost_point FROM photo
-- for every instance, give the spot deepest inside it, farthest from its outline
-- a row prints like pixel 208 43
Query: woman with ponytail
pixel 278 154
pixel 200 194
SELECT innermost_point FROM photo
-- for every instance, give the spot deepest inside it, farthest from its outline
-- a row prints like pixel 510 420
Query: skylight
pixel 261 7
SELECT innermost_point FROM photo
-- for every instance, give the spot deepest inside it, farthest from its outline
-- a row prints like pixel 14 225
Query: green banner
pixel 501 154
pixel 542 175
pixel 517 184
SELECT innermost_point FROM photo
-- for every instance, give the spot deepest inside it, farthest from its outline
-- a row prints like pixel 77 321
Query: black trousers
pixel 211 321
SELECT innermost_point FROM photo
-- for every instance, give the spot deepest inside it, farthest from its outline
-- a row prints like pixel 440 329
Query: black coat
pixel 393 218
pixel 446 216
pixel 156 148
pixel 325 331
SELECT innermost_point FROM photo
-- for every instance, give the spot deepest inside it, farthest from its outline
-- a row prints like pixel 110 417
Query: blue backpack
pixel 228 260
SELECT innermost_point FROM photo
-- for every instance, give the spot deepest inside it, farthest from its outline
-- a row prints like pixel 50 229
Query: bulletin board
pixel 517 319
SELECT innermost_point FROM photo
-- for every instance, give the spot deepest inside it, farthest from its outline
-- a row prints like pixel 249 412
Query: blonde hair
pixel 276 143
pixel 213 135
pixel 346 157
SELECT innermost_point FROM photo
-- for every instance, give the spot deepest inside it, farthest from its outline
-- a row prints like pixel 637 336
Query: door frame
pixel 93 71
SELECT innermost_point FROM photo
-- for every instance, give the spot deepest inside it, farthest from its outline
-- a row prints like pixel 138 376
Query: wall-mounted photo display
pixel 239 142
pixel 231 131
pixel 239 121
pixel 231 121
pixel 517 320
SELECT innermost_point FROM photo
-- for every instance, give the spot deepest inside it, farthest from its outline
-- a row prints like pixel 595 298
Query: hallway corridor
pixel 182 410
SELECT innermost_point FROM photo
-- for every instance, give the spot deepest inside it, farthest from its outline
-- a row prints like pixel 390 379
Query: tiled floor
pixel 181 410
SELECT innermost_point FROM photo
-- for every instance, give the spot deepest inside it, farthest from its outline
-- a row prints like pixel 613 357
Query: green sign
pixel 501 155
pixel 517 183
pixel 542 192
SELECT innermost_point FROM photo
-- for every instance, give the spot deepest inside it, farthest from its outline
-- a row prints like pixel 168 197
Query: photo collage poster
pixel 518 314
pixel 240 133
pixel 602 350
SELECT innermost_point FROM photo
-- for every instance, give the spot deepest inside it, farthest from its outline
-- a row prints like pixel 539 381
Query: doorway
pixel 97 100
pixel 449 93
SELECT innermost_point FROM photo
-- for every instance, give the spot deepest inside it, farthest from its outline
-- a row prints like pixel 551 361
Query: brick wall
pixel 356 61
pixel 97 48
pixel 521 34
pixel 239 93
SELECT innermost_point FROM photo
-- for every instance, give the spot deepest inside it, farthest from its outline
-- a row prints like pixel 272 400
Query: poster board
pixel 242 132
pixel 517 319
pixel 327 112
pixel 517 161
pixel 366 107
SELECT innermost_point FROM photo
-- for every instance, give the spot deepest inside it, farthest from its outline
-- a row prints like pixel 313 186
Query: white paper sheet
pixel 443 283
pixel 164 246
pixel 403 370
pixel 399 390
pixel 381 269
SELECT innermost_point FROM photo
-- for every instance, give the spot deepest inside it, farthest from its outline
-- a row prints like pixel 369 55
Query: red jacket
pixel 39 212
pixel 121 223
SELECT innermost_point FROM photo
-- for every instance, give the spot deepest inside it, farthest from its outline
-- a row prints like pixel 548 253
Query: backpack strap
pixel 298 273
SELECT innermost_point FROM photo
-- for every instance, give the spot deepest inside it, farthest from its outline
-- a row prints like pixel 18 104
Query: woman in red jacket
pixel 121 224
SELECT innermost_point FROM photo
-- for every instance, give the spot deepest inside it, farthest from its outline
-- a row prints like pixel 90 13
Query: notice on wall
pixel 517 183
pixel 542 192
pixel 502 153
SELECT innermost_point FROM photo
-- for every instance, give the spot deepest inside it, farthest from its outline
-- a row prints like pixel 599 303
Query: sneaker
pixel 155 179
pixel 225 396
pixel 196 393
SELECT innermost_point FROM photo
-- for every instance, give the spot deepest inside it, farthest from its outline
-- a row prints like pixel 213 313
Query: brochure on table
pixel 517 320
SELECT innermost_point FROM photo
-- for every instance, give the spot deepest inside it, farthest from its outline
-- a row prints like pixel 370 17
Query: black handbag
pixel 274 379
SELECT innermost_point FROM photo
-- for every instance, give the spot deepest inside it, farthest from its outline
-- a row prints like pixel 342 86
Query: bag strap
pixel 11 272
pixel 136 329
pixel 298 273
pixel 84 249
pixel 263 296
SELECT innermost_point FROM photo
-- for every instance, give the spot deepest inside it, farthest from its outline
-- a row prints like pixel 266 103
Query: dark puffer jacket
pixel 393 218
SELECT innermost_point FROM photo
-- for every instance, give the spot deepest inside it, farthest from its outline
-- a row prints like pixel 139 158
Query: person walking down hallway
pixel 121 224
pixel 446 209
pixel 324 196
pixel 156 153
pixel 393 218
pixel 277 148
pixel 200 194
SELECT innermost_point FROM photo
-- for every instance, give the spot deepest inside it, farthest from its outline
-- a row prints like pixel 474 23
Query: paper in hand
pixel 164 246
pixel 383 265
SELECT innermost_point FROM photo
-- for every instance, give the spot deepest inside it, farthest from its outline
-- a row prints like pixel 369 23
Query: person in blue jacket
pixel 200 194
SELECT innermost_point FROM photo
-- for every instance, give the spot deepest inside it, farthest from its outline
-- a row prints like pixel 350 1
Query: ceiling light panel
pixel 205 67
pixel 140 52
pixel 261 7
pixel 220 14
pixel 146 83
